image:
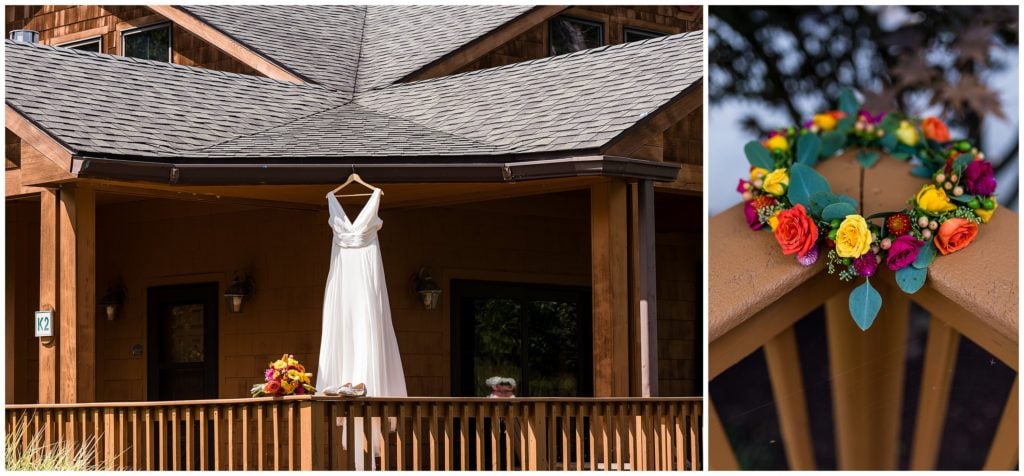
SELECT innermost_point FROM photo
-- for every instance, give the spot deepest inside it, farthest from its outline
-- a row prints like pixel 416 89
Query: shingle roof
pixel 119 105
pixel 354 47
pixel 327 54
pixel 575 101
pixel 113 105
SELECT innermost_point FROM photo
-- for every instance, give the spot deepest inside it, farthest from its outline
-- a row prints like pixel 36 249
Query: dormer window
pixel 94 44
pixel 635 34
pixel 149 42
pixel 568 34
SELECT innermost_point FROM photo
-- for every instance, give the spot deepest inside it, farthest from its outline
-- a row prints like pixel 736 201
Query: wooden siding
pixel 534 43
pixel 58 24
pixel 679 308
pixel 22 251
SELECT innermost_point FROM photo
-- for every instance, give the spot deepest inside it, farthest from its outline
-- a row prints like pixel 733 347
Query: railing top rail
pixel 319 398
pixel 749 272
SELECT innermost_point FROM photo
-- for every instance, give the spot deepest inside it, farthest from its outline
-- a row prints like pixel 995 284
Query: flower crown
pixel 786 194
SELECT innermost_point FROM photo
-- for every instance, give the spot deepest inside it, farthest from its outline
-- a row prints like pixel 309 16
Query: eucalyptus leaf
pixel 804 182
pixel 922 171
pixel 758 156
pixel 889 141
pixel 838 210
pixel 925 255
pixel 961 162
pixel 831 142
pixel 865 303
pixel 846 199
pixel 899 156
pixel 845 125
pixel 807 148
pixel 962 198
pixel 867 158
pixel 848 103
pixel 820 200
pixel 911 278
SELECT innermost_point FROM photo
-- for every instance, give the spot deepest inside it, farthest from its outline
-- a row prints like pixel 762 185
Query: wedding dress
pixel 358 343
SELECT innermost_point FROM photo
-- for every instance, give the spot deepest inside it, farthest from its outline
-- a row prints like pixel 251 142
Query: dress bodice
pixel 358 233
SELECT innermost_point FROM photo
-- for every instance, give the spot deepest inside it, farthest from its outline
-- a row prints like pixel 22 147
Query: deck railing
pixel 757 295
pixel 303 432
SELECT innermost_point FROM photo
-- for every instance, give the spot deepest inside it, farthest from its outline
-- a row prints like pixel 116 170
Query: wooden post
pixel 719 448
pixel 49 281
pixel 10 311
pixel 312 427
pixel 77 295
pixel 648 293
pixel 867 387
pixel 1003 453
pixel 609 275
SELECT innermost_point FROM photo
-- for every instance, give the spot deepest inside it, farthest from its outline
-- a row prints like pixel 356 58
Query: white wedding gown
pixel 358 343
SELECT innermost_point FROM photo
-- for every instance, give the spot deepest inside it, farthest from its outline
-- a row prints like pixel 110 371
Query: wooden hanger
pixel 354 177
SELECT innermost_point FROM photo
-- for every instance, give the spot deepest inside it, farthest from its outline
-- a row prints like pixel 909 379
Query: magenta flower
pixel 268 375
pixel 810 257
pixel 751 214
pixel 979 178
pixel 903 252
pixel 741 187
pixel 871 118
pixel 866 265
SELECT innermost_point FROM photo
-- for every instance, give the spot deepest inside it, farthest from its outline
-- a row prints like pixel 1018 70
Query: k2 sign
pixel 44 323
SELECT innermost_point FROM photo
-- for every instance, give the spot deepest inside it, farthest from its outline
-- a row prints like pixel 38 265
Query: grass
pixel 38 456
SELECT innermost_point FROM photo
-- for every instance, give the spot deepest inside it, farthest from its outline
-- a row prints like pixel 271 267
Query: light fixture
pixel 113 300
pixel 240 290
pixel 427 290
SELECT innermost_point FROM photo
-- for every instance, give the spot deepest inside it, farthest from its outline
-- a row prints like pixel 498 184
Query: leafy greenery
pixel 865 303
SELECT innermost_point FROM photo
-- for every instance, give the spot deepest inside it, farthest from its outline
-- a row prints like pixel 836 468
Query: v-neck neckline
pixel 359 216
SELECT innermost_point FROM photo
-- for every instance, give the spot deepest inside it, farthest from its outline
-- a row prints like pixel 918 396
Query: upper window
pixel 633 34
pixel 151 42
pixel 567 34
pixel 94 45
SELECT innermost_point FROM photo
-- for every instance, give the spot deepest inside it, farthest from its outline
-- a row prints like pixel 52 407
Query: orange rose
pixel 796 232
pixel 955 234
pixel 935 129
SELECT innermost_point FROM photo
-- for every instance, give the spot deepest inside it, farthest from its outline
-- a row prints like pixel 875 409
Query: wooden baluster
pixel 204 441
pixel 577 414
pixel 245 437
pixel 97 439
pixel 385 431
pixel 175 441
pixel 218 439
pixel 259 436
pixel 522 414
pixel 783 361
pixel 464 438
pixel 936 381
pixel 275 424
pixel 109 434
pixel 495 449
pixel 291 436
pixel 694 435
pixel 417 435
pixel 147 414
pixel 449 423
pixel 350 434
pixel 190 455
pixel 400 440
pixel 231 437
pixel 1003 453
pixel 433 436
pixel 339 452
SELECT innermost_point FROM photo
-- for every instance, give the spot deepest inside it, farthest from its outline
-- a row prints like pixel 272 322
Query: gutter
pixel 229 173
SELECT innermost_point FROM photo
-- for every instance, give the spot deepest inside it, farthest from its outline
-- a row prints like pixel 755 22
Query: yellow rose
pixel 776 182
pixel 777 143
pixel 853 238
pixel 984 214
pixel 293 374
pixel 825 122
pixel 280 365
pixel 933 199
pixel 757 173
pixel 907 134
pixel 773 221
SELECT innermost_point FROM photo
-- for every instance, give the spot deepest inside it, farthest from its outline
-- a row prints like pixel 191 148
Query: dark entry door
pixel 538 334
pixel 183 341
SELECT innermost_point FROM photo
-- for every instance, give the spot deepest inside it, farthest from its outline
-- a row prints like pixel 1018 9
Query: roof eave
pixel 263 173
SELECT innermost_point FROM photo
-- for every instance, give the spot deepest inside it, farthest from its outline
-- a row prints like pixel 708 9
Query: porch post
pixel 648 294
pixel 77 294
pixel 49 275
pixel 609 278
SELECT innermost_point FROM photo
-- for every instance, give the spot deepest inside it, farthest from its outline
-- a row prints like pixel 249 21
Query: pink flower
pixel 979 178
pixel 866 265
pixel 742 186
pixel 903 252
pixel 871 118
pixel 751 214
pixel 268 375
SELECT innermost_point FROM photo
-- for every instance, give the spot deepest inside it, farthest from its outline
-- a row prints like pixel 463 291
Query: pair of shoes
pixel 332 391
pixel 348 390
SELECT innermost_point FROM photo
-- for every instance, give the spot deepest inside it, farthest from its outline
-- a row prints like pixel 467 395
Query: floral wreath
pixel 796 203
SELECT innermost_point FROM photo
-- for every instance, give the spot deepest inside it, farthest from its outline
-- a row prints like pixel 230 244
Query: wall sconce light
pixel 112 302
pixel 240 290
pixel 427 290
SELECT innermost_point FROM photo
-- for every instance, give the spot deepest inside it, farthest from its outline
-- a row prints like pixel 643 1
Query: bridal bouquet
pixel 284 376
